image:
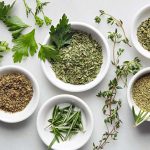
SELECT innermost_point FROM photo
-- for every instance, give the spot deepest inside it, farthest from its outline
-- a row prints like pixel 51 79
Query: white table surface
pixel 23 136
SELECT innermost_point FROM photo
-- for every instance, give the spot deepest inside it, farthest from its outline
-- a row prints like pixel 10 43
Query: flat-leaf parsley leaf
pixel 24 45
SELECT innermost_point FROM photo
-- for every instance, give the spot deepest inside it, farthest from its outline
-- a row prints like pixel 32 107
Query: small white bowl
pixel 50 74
pixel 30 108
pixel 130 86
pixel 142 15
pixel 44 115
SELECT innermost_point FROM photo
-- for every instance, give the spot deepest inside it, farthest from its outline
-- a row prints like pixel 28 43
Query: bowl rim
pixel 74 98
pixel 104 71
pixel 135 41
pixel 129 89
pixel 32 78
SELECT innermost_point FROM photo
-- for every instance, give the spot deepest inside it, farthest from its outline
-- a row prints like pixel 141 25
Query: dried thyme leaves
pixel 143 34
pixel 80 62
pixel 141 93
pixel 15 92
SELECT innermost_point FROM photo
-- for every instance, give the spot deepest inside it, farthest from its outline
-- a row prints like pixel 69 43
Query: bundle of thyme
pixel 122 71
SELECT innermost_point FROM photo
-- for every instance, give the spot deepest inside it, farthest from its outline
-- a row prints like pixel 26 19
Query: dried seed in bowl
pixel 143 34
pixel 16 91
pixel 141 92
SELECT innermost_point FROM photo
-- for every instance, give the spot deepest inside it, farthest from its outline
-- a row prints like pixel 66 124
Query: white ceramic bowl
pixel 104 68
pixel 30 108
pixel 45 112
pixel 142 15
pixel 130 86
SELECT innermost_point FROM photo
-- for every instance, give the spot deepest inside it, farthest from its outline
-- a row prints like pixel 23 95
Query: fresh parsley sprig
pixel 14 23
pixel 25 45
pixel 3 48
pixel 122 71
pixel 60 36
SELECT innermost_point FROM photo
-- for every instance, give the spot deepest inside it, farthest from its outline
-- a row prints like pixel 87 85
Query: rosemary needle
pixel 64 123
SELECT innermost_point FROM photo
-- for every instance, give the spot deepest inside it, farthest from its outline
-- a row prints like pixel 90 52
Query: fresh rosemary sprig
pixel 65 123
pixel 140 117
pixel 122 71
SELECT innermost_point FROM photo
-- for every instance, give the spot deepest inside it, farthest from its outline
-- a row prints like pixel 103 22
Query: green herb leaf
pixel 16 25
pixel 5 9
pixel 48 52
pixel 38 21
pixel 24 45
pixel 3 48
pixel 140 117
pixel 47 20
pixel 40 6
pixel 28 9
pixel 61 34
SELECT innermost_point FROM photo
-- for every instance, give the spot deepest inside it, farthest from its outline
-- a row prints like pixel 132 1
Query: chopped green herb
pixel 65 123
pixel 24 45
pixel 80 62
pixel 143 34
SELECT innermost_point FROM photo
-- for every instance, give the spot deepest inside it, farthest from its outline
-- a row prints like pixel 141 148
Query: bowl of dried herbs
pixel 19 94
pixel 140 33
pixel 75 56
pixel 65 122
pixel 138 94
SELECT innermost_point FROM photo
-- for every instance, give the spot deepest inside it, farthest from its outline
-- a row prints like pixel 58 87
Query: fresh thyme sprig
pixel 140 117
pixel 122 71
pixel 112 20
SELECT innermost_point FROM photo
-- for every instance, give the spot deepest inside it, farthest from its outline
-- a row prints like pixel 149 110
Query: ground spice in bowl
pixel 143 34
pixel 80 61
pixel 141 92
pixel 16 91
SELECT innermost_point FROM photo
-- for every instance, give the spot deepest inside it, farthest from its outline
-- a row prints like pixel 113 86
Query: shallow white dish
pixel 45 113
pixel 142 15
pixel 30 108
pixel 104 68
pixel 129 89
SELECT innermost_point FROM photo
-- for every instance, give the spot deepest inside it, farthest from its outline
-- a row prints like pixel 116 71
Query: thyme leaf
pixel 122 71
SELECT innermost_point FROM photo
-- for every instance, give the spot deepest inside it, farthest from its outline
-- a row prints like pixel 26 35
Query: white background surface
pixel 23 136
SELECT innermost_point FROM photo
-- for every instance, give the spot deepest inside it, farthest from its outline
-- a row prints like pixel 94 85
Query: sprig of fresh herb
pixel 65 123
pixel 3 48
pixel 39 8
pixel 122 71
pixel 140 117
pixel 24 45
pixel 15 25
pixel 60 36
pixel 112 20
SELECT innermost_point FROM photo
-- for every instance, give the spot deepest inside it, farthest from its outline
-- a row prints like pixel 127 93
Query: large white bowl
pixel 30 108
pixel 50 74
pixel 142 15
pixel 45 113
pixel 130 86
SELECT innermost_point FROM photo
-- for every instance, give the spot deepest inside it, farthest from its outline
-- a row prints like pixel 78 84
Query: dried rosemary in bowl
pixel 80 61
pixel 143 34
pixel 16 92
pixel 141 93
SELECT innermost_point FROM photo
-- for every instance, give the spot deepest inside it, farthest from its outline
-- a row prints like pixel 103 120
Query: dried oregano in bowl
pixel 80 61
